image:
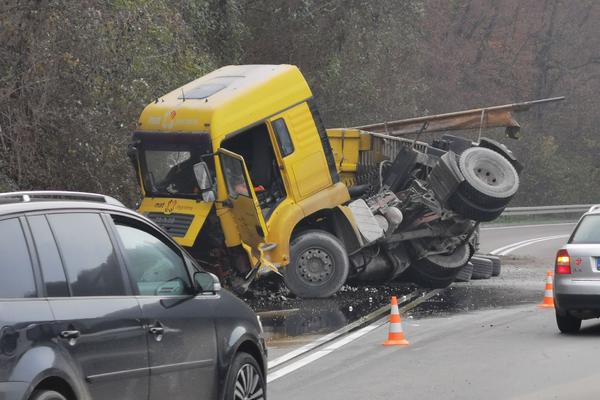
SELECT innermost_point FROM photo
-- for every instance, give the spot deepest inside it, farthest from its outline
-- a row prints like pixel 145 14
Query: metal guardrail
pixel 563 209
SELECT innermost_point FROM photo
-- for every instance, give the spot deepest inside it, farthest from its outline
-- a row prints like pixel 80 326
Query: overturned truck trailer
pixel 238 168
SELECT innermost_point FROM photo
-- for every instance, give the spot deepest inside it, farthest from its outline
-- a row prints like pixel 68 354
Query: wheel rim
pixel 489 173
pixel 315 266
pixel 248 385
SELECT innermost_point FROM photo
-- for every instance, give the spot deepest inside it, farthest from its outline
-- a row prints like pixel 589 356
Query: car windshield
pixel 588 230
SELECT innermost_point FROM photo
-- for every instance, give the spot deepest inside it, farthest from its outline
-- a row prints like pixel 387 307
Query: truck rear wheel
pixel 440 270
pixel 465 273
pixel 470 210
pixel 482 268
pixel 490 179
pixel 319 265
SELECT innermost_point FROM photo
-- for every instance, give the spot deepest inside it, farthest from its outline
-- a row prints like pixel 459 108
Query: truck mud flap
pixel 502 149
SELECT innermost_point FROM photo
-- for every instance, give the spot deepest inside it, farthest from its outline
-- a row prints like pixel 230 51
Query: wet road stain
pixel 286 318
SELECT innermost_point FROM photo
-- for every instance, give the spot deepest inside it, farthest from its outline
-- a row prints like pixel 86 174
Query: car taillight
pixel 563 263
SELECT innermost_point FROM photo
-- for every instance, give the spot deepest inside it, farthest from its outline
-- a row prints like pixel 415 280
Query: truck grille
pixel 175 225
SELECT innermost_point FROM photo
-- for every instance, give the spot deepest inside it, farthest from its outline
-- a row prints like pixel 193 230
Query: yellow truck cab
pixel 239 121
pixel 238 168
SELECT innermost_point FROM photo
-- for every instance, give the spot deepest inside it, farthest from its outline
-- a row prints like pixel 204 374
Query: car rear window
pixel 16 273
pixel 49 258
pixel 588 230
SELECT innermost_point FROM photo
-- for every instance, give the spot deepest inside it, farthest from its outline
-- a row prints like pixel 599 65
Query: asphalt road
pixel 483 339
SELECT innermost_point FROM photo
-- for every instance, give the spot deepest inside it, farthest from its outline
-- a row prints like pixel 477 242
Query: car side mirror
pixel 206 282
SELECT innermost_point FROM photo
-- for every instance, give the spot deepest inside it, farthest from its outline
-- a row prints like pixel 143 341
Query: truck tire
pixel 482 268
pixel 465 273
pixel 438 271
pixel 470 210
pixel 319 265
pixel 496 264
pixel 490 179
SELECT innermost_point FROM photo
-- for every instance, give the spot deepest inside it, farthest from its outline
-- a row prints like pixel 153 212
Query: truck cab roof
pixel 226 100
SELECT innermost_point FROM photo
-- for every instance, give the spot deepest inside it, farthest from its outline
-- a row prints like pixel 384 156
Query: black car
pixel 97 302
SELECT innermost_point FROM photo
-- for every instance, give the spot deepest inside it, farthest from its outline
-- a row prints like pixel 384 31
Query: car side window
pixel 16 271
pixel 53 273
pixel 88 255
pixel 154 267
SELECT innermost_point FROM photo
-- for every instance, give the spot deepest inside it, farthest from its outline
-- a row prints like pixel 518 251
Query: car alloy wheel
pixel 248 384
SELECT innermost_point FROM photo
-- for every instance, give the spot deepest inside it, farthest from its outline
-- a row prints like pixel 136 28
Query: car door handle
pixel 157 330
pixel 74 334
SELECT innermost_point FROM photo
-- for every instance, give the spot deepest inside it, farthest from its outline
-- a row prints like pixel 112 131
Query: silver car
pixel 577 274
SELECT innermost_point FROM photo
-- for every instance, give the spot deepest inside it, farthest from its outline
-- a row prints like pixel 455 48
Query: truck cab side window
pixel 286 147
pixel 155 268
pixel 88 255
pixel 256 147
pixel 16 273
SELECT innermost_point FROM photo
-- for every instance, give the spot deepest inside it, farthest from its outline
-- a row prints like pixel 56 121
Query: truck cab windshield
pixel 169 171
pixel 167 161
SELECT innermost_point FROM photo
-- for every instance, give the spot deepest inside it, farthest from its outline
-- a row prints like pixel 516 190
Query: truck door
pixel 302 152
pixel 244 204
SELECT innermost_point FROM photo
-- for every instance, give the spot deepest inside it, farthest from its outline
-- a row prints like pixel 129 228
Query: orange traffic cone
pixel 396 334
pixel 548 294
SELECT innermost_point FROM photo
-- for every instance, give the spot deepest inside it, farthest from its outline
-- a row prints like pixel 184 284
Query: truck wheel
pixel 567 323
pixel 496 264
pixel 482 268
pixel 470 210
pixel 319 265
pixel 464 275
pixel 438 271
pixel 490 179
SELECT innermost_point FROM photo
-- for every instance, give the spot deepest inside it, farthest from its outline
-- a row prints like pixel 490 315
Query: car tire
pixel 567 323
pixel 319 265
pixel 470 210
pixel 437 271
pixel 245 376
pixel 482 268
pixel 46 395
pixel 490 179
pixel 465 273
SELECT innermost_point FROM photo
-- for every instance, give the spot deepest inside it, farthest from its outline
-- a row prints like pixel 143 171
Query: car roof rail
pixel 46 195
pixel 594 208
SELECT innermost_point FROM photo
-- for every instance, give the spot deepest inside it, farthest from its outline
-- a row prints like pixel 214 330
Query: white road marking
pixel 295 365
pixel 508 246
pixel 301 350
pixel 321 353
pixel 505 250
pixel 533 242
pixel 493 228
pixel 340 332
